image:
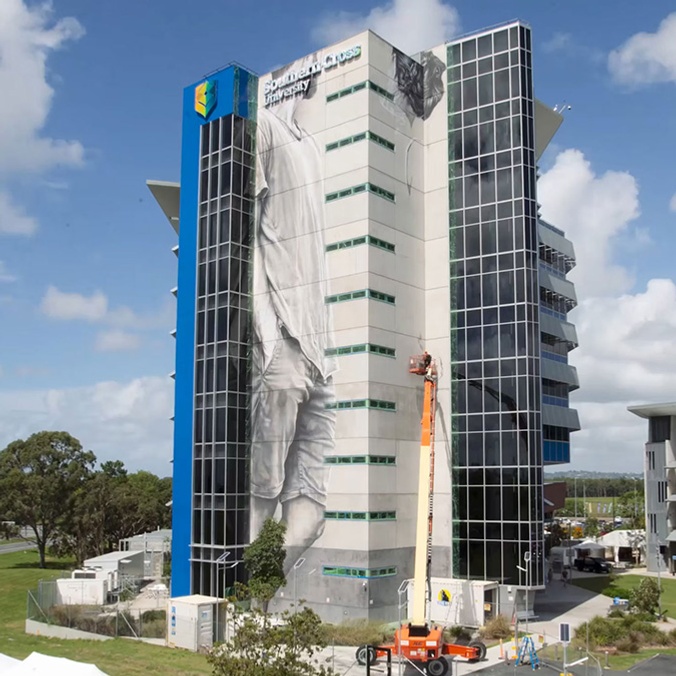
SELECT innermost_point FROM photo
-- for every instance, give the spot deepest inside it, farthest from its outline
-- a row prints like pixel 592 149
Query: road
pixel 16 547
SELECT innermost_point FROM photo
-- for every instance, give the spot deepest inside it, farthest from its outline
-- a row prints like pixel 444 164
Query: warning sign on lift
pixel 444 597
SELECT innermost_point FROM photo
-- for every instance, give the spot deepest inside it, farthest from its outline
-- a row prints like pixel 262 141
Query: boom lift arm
pixel 420 640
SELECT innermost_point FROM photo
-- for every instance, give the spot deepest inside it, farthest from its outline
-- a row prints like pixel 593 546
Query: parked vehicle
pixel 592 564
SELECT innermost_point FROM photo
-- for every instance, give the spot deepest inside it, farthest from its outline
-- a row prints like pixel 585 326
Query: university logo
pixel 205 98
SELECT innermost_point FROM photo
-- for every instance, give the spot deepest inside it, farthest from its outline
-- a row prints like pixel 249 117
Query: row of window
pixel 661 491
pixel 361 137
pixel 367 84
pixel 362 573
pixel 362 403
pixel 357 189
pixel 361 516
pixel 358 295
pixel 357 241
pixel 359 349
pixel 360 460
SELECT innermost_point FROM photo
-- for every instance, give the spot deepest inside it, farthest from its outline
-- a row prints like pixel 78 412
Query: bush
pixel 645 598
pixel 358 632
pixel 152 615
pixel 623 632
pixel 497 627
pixel 154 629
pixel 629 644
pixel 457 634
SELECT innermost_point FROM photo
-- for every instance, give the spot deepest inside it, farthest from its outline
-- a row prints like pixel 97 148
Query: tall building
pixel 659 465
pixel 348 210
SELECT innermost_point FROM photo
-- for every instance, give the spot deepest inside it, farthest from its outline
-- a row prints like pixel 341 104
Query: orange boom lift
pixel 420 640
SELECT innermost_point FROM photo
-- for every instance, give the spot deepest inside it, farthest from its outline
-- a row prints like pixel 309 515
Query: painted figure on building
pixel 292 429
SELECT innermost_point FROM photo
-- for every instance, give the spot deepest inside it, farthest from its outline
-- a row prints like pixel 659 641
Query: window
pixel 358 295
pixel 362 403
pixel 360 349
pixel 661 491
pixel 357 189
pixel 360 460
pixel 653 522
pixel 358 87
pixel 360 137
pixel 362 573
pixel 361 516
pixel 357 241
pixel 650 458
pixel 659 428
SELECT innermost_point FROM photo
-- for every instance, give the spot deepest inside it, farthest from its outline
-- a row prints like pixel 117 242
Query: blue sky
pixel 76 217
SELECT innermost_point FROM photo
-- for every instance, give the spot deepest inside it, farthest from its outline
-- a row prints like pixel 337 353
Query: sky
pixel 91 108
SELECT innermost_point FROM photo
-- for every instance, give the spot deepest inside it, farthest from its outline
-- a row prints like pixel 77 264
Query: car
pixel 593 564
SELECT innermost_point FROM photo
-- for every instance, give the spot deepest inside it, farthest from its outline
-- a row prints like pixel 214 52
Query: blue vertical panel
pixel 196 112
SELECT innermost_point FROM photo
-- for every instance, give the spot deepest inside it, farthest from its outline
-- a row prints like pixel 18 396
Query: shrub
pixel 358 632
pixel 457 634
pixel 645 598
pixel 630 643
pixel 154 629
pixel 496 627
pixel 152 615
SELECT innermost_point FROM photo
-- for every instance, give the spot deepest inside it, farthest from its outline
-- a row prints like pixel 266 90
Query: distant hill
pixel 582 474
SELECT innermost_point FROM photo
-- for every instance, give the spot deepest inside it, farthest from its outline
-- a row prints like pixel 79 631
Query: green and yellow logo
pixel 205 98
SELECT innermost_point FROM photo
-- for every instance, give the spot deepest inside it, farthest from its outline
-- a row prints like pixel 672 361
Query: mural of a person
pixel 292 430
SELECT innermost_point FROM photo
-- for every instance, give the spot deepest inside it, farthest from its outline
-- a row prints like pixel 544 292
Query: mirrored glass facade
pixel 220 526
pixel 495 337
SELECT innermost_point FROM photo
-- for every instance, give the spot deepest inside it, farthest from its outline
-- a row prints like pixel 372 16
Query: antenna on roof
pixel 560 108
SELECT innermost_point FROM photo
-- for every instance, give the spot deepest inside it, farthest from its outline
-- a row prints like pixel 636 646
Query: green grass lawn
pixel 19 572
pixel 621 585
pixel 616 662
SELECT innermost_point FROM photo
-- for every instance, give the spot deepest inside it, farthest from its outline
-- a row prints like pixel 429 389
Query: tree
pixel 264 562
pixel 261 648
pixel 39 479
pixel 112 505
pixel 646 597
pixel 591 527
pixel 572 507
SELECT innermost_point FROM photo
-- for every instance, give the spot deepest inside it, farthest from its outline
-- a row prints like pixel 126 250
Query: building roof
pixel 168 196
pixel 196 599
pixel 653 410
pixel 111 557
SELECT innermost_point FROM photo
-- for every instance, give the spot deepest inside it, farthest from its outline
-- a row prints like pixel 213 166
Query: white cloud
pixel 60 305
pixel 117 420
pixel 627 354
pixel 5 275
pixel 410 25
pixel 117 341
pixel 593 210
pixel 566 43
pixel 647 58
pixel 28 35
pixel 13 219
pixel 122 321
pixel 672 203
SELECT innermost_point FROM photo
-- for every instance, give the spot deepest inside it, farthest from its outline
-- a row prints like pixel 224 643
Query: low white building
pixel 127 563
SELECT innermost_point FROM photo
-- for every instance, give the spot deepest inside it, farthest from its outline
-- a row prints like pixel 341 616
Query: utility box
pixel 470 603
pixel 195 622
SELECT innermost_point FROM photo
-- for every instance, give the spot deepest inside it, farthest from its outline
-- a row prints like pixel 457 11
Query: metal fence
pixel 135 609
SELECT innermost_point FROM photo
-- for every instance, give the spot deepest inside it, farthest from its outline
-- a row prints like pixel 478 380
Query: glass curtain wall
pixel 495 337
pixel 220 527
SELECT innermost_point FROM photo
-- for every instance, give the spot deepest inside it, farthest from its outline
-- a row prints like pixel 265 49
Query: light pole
pixel 525 570
pixel 296 568
pixel 222 560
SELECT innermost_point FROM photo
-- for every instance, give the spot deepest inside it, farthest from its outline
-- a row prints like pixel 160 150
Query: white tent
pixel 37 664
pixel 7 663
pixel 616 539
pixel 594 548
